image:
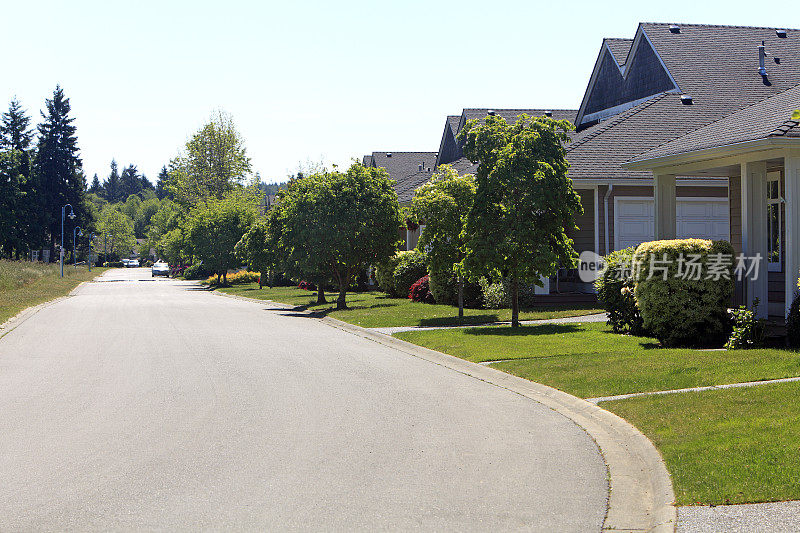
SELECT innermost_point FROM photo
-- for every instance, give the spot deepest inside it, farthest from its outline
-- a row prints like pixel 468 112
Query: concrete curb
pixel 15 321
pixel 640 488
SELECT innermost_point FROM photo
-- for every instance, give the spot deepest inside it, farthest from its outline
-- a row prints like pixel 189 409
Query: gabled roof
pixel 716 63
pixel 770 117
pixel 405 187
pixel 402 164
pixel 510 115
pixel 619 48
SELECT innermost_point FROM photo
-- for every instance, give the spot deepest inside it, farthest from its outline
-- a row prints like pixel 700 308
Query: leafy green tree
pixel 15 132
pixel 214 227
pixel 115 232
pixel 524 202
pixel 339 223
pixel 214 163
pixel 443 204
pixel 147 210
pixel 255 250
pixel 57 168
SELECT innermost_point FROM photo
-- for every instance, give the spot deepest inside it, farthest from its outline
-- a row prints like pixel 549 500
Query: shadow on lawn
pixel 472 320
pixel 525 331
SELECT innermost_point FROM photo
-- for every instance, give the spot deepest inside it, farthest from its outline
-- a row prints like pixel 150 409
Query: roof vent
pixel 491 112
pixel 781 33
pixel 548 113
pixel 420 167
pixel 686 99
pixel 674 28
pixel 762 54
pixel 388 154
pixel 429 169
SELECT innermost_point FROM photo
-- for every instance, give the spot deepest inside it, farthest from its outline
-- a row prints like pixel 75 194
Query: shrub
pixel 410 268
pixel 444 287
pixel 684 311
pixel 243 276
pixel 384 274
pixel 196 271
pixel 615 292
pixel 114 264
pixel 793 323
pixel 307 286
pixel 748 330
pixel 494 294
pixel 421 291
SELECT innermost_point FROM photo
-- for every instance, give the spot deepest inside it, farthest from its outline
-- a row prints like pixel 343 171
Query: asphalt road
pixel 150 404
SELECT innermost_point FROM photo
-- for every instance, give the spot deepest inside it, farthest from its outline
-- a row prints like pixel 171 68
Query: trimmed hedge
pixel 685 311
pixel 197 271
pixel 615 293
pixel 384 273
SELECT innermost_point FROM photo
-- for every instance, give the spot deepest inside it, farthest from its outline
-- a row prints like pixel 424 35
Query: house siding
pixel 583 237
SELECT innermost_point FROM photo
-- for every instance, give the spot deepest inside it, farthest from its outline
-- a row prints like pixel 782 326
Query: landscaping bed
pixel 24 284
pixel 376 309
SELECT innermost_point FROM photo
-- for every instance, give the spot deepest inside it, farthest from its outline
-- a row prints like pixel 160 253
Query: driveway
pixel 141 403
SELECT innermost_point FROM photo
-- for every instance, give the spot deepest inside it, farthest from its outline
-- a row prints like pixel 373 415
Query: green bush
pixel 748 330
pixel 494 294
pixel 683 311
pixel 114 264
pixel 615 293
pixel 410 268
pixel 384 274
pixel 793 323
pixel 444 287
pixel 197 271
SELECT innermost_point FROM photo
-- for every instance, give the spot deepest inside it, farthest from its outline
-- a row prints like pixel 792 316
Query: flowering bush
pixel 421 291
pixel 307 286
pixel 243 276
pixel 748 330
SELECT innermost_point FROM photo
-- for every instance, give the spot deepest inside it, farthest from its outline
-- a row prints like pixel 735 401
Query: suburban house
pixel 654 109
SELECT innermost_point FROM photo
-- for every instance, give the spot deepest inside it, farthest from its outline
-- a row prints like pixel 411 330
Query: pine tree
pixel 15 133
pixel 161 184
pixel 112 184
pixel 57 168
pixel 129 182
pixel 145 184
pixel 95 187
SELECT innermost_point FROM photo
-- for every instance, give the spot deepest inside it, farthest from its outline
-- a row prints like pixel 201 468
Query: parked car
pixel 132 263
pixel 159 268
pixel 125 262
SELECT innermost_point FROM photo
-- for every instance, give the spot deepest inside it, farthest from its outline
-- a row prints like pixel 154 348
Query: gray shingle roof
pixel 510 115
pixel 619 48
pixel 405 188
pixel 402 164
pixel 770 117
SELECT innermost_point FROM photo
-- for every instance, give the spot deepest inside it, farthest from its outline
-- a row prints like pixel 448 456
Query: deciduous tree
pixel 524 202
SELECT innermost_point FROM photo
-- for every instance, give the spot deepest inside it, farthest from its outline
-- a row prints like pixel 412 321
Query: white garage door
pixel 705 218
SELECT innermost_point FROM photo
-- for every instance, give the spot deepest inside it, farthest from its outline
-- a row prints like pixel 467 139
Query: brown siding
pixel 584 237
pixel 735 205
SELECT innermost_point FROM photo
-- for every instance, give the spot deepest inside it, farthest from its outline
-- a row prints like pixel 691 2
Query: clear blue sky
pixel 314 80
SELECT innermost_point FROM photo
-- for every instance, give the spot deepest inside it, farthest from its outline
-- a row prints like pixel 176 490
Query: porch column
pixel 791 244
pixel 754 232
pixel 664 207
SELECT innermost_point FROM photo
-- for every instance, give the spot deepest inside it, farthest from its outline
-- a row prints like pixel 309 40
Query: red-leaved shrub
pixel 421 291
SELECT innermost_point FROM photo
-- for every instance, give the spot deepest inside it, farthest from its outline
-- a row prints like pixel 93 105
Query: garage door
pixel 705 218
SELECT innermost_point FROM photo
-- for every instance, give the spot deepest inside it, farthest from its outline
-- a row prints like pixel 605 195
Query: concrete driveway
pixel 141 404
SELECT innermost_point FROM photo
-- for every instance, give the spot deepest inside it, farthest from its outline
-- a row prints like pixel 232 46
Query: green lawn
pixel 739 445
pixel 24 284
pixel 375 309
pixel 587 360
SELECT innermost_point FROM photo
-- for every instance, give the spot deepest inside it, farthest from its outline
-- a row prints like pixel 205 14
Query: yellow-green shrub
pixel 239 278
pixel 684 312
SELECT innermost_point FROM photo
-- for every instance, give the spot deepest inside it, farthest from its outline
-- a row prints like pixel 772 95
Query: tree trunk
pixel 225 278
pixel 260 285
pixel 218 277
pixel 514 302
pixel 460 297
pixel 341 301
pixel 321 294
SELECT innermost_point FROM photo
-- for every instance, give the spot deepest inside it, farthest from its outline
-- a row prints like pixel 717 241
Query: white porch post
pixel 754 232
pixel 664 207
pixel 791 245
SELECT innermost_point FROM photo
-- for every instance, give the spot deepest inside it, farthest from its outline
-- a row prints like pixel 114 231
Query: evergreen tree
pixel 57 168
pixel 129 182
pixel 112 185
pixel 145 185
pixel 161 184
pixel 95 187
pixel 15 133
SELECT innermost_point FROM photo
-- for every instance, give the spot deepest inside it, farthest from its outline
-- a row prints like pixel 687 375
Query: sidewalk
pixel 599 317
pixel 746 518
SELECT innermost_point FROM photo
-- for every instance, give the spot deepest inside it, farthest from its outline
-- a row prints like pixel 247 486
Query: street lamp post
pixel 71 217
pixel 79 232
pixel 91 240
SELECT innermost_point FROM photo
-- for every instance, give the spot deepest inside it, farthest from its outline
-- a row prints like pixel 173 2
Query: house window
pixel 774 201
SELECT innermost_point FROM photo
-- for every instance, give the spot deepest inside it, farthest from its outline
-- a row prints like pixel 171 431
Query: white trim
pixel 596 190
pixel 773 266
pixel 617 109
pixel 719 199
pixel 708 155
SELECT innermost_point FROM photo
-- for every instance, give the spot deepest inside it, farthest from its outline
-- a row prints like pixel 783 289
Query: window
pixel 774 201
